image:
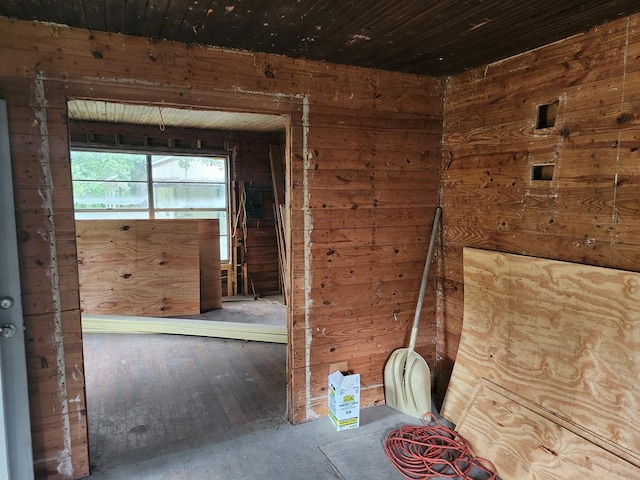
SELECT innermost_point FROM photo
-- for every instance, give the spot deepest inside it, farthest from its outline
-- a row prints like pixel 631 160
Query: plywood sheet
pixel 139 267
pixel 209 248
pixel 181 326
pixel 564 336
pixel 523 444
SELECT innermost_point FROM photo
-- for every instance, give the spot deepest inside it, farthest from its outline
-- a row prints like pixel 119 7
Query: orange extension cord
pixel 423 452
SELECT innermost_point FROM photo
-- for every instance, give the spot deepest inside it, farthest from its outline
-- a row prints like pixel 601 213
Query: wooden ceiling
pixel 429 37
pixel 137 114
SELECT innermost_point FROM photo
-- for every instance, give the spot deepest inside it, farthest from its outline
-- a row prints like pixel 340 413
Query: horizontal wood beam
pixel 181 326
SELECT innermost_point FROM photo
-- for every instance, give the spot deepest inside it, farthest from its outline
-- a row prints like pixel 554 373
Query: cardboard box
pixel 344 400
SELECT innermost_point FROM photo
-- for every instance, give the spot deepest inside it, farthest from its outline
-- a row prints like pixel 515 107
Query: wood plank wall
pixel 363 164
pixel 260 251
pixel 588 211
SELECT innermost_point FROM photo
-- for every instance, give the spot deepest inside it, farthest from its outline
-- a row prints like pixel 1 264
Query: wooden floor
pixel 189 408
pixel 150 394
pixel 266 310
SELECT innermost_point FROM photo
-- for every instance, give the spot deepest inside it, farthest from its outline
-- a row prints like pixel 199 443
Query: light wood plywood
pixel 564 336
pixel 139 267
pixel 209 248
pixel 523 444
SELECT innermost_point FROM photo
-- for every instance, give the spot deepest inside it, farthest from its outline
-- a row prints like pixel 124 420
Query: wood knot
pixel 624 118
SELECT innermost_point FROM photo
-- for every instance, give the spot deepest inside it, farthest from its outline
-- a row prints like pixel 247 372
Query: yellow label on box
pixel 349 398
pixel 343 423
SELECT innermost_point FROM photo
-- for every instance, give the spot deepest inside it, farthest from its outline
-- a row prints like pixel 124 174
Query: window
pixel 113 185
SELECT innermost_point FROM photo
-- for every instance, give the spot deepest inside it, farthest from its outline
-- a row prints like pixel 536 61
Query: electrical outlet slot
pixel 547 115
pixel 543 172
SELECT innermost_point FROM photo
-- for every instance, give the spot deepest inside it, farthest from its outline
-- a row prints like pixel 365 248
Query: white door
pixel 16 457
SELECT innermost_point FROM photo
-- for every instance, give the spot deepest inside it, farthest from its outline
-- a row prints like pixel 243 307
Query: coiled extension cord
pixel 434 450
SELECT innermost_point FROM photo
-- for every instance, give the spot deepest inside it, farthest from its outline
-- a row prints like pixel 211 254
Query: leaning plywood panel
pixel 210 281
pixel 564 336
pixel 523 444
pixel 139 267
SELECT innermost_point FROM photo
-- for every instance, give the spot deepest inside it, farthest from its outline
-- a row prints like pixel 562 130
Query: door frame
pixel 16 455
pixel 294 108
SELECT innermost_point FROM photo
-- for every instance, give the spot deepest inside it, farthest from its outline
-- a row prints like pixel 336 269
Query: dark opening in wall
pixel 547 114
pixel 542 172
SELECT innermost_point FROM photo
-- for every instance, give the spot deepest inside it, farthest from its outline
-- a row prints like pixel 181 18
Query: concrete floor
pixel 279 451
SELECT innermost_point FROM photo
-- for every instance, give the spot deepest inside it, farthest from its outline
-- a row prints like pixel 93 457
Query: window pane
pixel 119 195
pixel 189 195
pixel 108 166
pixel 111 215
pixel 188 169
pixel 224 247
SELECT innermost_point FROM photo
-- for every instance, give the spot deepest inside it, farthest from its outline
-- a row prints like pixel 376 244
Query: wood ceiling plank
pixel 115 16
pixel 71 12
pixel 194 19
pixel 16 8
pixel 173 17
pixel 95 14
pixel 440 38
pixel 154 16
pixel 134 15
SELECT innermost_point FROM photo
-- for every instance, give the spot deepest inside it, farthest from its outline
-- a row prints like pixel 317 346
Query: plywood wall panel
pixel 139 267
pixel 560 335
pixel 490 143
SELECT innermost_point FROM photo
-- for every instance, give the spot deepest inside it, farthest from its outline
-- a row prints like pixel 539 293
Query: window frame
pixel 152 210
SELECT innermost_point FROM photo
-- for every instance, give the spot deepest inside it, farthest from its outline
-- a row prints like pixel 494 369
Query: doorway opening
pixel 149 393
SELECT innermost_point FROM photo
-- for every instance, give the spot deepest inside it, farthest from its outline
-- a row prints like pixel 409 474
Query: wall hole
pixel 543 172
pixel 547 114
